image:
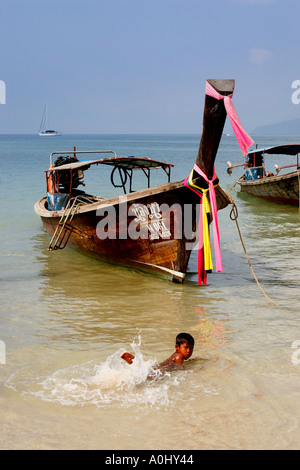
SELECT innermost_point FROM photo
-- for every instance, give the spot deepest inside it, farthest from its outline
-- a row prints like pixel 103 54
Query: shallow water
pixel 65 319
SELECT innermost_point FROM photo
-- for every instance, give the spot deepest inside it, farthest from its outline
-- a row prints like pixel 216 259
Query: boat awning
pixel 290 149
pixel 128 163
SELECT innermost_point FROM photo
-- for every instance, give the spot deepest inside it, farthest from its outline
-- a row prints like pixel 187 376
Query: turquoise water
pixel 65 318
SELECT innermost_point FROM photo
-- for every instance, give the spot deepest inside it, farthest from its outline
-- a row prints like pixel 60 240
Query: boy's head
pixel 184 338
pixel 185 344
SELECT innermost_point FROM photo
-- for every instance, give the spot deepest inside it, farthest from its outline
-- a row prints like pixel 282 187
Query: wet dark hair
pixel 184 338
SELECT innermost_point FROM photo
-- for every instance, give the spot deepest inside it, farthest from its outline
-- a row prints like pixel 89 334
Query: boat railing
pixel 279 168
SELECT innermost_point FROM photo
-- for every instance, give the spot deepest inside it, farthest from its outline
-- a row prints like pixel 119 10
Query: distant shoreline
pixel 285 128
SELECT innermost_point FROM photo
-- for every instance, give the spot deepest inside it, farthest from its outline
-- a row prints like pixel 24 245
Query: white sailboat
pixel 44 125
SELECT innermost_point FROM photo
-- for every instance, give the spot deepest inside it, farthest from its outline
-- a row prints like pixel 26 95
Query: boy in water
pixel 183 350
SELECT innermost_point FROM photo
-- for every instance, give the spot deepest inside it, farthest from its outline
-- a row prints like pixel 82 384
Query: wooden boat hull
pixel 159 243
pixel 282 189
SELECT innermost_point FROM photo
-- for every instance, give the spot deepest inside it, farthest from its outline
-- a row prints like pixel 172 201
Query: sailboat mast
pixel 46 120
pixel 42 125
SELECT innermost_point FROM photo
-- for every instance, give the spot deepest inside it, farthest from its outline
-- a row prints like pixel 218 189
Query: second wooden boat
pixel 280 186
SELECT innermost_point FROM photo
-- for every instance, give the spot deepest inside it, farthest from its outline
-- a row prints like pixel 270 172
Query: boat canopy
pixel 128 163
pixel 290 149
pixel 123 165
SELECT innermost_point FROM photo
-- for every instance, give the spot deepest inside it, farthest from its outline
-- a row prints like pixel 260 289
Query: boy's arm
pixel 175 360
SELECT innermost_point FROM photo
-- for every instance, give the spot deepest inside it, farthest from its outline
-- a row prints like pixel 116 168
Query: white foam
pixel 114 382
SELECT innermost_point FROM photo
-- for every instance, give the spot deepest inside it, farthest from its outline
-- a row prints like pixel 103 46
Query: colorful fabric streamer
pixel 243 138
pixel 204 252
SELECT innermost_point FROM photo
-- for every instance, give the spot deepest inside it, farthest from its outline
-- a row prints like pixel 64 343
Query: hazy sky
pixel 139 66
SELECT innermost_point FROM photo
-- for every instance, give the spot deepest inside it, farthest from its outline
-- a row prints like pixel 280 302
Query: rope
pixel 231 187
pixel 234 216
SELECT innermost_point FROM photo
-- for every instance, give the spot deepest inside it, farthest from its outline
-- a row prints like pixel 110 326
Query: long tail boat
pixel 145 229
pixel 282 185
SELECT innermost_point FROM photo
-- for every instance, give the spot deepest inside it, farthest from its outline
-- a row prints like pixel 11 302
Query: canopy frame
pixel 124 165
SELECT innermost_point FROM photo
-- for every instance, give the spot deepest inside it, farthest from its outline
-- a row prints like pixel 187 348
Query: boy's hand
pixel 127 357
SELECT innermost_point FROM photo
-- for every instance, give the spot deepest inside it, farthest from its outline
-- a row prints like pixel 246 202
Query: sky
pixel 139 66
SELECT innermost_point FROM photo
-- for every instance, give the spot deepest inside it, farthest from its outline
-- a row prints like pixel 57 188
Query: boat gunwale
pixel 268 179
pixel 41 210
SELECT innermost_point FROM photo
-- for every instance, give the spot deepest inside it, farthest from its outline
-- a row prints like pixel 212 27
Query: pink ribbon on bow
pixel 243 138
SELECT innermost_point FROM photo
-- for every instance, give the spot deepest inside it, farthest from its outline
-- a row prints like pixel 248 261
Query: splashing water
pixel 113 382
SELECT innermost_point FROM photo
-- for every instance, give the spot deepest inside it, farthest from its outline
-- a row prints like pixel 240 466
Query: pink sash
pixel 243 138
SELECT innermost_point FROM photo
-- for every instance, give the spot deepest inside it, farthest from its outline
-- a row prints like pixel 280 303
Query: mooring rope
pixel 231 187
pixel 234 216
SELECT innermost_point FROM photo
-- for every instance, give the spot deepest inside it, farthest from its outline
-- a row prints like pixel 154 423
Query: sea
pixel 66 318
